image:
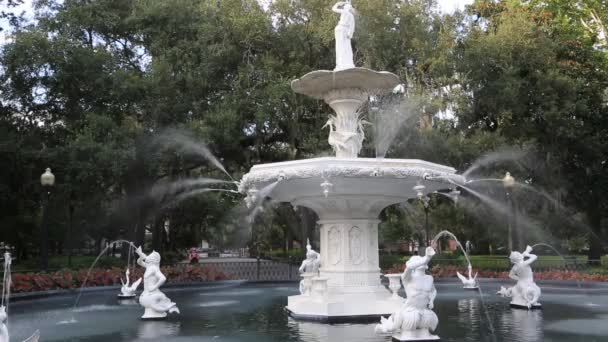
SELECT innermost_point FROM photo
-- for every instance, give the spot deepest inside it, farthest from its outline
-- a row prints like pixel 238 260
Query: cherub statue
pixel 344 32
pixel 312 263
pixel 128 290
pixel 152 299
pixel 525 293
pixel 415 319
pixel 471 281
pixel 309 268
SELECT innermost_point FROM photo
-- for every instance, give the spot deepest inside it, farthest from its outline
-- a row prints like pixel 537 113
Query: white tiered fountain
pixel 347 193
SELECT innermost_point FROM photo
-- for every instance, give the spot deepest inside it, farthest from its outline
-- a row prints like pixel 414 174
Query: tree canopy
pixel 122 98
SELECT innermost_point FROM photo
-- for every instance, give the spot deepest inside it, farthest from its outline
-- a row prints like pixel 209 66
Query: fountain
pixel 155 302
pixel 525 294
pixel 127 290
pixel 415 320
pixel 6 293
pixel 470 282
pixel 346 192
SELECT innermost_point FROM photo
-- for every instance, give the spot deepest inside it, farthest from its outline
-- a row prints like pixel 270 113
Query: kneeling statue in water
pixel 525 294
pixel 415 319
pixel 152 299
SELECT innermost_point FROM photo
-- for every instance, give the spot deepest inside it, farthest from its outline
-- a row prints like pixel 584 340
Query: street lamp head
pixel 508 181
pixel 47 178
pixel 419 191
pixel 454 194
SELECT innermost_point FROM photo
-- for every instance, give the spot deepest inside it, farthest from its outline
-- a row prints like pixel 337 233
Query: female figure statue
pixel 344 32
pixel 416 319
pixel 152 299
pixel 525 293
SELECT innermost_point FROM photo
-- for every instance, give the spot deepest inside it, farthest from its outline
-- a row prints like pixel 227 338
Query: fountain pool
pixel 255 312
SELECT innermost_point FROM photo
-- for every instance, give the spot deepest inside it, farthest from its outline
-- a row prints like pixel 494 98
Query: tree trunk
pixel 594 216
pixel 156 235
pixel 308 222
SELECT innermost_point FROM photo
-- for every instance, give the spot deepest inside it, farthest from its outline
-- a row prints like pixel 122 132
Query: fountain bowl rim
pixel 317 84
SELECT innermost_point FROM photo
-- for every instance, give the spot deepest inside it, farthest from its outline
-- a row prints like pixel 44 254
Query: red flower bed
pixel 67 279
pixel 450 271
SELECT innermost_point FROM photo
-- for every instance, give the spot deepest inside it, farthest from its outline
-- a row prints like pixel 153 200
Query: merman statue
pixel 155 302
pixel 128 290
pixel 415 319
pixel 525 294
pixel 309 268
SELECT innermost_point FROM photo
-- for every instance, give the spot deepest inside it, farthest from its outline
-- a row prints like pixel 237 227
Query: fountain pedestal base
pixel 525 307
pixel 151 315
pixel 417 335
pixel 341 308
pixel 362 306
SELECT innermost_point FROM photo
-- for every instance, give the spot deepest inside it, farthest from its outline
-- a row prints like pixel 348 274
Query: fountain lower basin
pixel 254 312
pixel 348 195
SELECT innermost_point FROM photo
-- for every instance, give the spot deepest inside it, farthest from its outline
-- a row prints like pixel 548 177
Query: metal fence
pixel 257 270
pixel 503 264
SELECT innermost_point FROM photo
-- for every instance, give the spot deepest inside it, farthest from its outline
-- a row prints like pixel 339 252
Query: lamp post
pixel 509 182
pixel 47 180
pixel 426 203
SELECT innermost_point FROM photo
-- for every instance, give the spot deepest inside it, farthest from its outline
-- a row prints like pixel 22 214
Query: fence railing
pixel 257 270
pixel 503 264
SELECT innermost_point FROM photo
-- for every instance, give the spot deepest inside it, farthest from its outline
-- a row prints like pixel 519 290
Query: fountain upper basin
pixel 320 83
pixel 360 187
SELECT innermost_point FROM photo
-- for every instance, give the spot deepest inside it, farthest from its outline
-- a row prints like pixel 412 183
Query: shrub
pixel 448 271
pixel 66 279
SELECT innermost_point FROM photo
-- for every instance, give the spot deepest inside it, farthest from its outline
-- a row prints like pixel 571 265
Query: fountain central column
pixel 349 254
pixel 349 259
pixel 347 135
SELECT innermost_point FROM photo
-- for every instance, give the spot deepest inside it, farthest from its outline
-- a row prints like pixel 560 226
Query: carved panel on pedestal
pixel 372 248
pixel 355 244
pixel 335 245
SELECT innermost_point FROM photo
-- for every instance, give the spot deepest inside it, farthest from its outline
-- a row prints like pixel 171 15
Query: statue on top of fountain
pixel 309 268
pixel 525 294
pixel 415 319
pixel 344 32
pixel 155 302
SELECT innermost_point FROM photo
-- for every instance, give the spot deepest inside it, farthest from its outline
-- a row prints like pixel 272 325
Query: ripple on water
pixel 67 321
pixel 218 303
pixel 91 308
pixel 233 293
pixel 593 327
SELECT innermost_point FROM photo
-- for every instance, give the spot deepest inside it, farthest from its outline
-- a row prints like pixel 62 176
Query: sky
pixel 449 6
pixel 445 6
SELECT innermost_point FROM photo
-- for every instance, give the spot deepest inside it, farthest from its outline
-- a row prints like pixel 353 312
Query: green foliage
pixel 92 89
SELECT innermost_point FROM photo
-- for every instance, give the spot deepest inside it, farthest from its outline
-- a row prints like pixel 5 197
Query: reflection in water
pixel 218 303
pixel 523 325
pixel 156 329
pixel 318 332
pixel 128 302
pixel 469 315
